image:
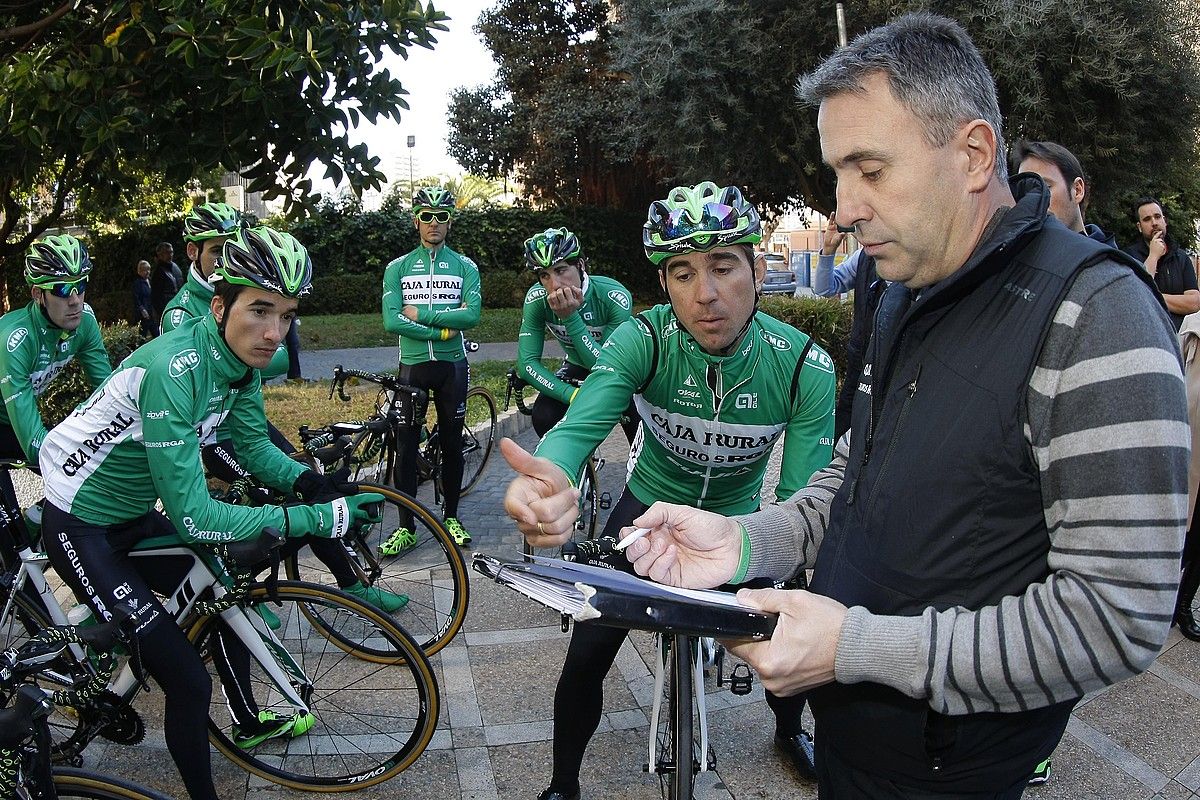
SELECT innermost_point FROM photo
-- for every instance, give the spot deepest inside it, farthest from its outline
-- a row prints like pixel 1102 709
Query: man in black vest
pixel 999 532
pixel 1168 264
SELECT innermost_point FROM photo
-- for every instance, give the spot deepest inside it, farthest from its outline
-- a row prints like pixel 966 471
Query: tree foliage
pixel 94 95
pixel 705 89
pixel 556 115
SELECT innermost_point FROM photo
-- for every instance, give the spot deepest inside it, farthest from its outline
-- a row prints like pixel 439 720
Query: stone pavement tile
pixel 433 777
pixel 1167 739
pixel 747 761
pixel 154 769
pixel 1174 791
pixel 1080 772
pixel 520 681
pixel 1183 657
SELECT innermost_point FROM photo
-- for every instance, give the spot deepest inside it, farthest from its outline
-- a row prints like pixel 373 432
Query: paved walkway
pixel 1139 739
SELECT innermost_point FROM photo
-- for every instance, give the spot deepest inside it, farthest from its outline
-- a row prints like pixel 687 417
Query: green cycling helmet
pixel 544 250
pixel 266 259
pixel 211 220
pixel 698 219
pixel 433 197
pixel 56 259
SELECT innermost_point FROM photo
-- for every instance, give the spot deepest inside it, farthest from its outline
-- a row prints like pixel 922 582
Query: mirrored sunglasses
pixel 429 216
pixel 715 217
pixel 65 290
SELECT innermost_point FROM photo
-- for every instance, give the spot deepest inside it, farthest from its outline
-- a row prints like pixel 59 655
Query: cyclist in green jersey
pixel 430 296
pixel 39 341
pixel 206 229
pixel 716 384
pixel 580 310
pixel 137 440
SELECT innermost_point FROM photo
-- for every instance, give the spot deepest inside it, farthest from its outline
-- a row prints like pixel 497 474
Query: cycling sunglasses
pixel 428 216
pixel 715 217
pixel 65 290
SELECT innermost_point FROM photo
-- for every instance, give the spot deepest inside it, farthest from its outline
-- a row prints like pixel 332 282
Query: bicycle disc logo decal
pixel 16 337
pixel 188 359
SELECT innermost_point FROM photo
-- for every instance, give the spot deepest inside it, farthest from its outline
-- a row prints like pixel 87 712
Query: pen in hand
pixel 638 533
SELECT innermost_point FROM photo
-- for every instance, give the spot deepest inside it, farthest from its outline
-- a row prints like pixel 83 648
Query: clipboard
pixel 617 599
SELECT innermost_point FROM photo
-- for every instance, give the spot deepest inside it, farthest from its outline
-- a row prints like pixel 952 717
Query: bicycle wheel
pixel 81 783
pixel 372 720
pixel 431 573
pixel 585 523
pixel 682 749
pixel 19 622
pixel 478 436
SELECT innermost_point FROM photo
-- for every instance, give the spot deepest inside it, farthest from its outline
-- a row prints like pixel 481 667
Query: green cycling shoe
pixel 457 532
pixel 272 726
pixel 401 539
pixel 379 598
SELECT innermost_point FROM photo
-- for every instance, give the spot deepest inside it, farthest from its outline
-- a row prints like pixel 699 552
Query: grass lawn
pixel 366 330
pixel 290 405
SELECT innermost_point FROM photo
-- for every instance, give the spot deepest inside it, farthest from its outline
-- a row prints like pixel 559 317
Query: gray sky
pixel 458 59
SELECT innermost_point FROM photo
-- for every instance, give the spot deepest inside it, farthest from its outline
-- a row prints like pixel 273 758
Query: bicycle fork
pixel 688 670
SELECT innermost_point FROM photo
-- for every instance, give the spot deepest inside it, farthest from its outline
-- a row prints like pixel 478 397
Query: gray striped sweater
pixel 1108 428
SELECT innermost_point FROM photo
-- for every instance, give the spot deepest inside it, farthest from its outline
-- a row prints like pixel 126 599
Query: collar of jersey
pixel 749 340
pixel 194 276
pixel 224 365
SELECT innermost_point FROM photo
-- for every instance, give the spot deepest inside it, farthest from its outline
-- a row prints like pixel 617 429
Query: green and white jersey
pixel 138 438
pixel 444 288
pixel 195 300
pixel 34 352
pixel 708 422
pixel 606 304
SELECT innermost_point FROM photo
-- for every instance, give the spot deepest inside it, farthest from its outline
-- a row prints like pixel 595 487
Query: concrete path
pixel 1139 739
pixel 320 363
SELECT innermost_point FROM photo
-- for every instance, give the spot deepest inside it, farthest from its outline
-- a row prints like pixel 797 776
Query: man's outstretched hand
pixel 540 499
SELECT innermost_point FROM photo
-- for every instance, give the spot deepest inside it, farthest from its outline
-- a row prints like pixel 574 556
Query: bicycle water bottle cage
pixel 741 681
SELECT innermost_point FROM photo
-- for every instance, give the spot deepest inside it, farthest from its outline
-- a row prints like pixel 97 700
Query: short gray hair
pixel 933 68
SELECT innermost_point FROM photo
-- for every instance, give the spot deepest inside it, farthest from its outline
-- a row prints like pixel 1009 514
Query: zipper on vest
pixel 912 392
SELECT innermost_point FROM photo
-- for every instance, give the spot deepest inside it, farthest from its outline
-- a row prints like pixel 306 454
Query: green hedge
pixel 827 321
pixel 342 245
pixel 71 387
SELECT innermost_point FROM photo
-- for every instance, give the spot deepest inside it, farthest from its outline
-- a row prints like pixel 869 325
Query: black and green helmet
pixel 698 219
pixel 211 220
pixel 56 259
pixel 544 250
pixel 266 259
pixel 434 197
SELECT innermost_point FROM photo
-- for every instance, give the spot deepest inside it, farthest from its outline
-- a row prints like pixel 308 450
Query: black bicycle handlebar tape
pixel 249 552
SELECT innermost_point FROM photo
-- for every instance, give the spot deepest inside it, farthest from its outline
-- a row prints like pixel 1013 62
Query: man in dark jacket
pixel 166 279
pixel 1064 177
pixel 999 533
pixel 1169 264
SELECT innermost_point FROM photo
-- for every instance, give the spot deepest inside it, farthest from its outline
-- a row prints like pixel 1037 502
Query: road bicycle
pixel 591 499
pixel 332 656
pixel 408 406
pixel 26 770
pixel 678 746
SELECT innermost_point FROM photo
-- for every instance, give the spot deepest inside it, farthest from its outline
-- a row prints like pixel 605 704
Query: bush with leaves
pixel 826 321
pixel 71 387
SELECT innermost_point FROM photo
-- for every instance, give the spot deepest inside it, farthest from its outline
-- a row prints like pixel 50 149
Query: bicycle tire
pixel 357 741
pixel 18 624
pixel 87 785
pixel 589 506
pixel 682 781
pixel 432 573
pixel 478 439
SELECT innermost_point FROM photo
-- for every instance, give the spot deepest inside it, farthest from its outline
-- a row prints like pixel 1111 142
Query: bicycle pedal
pixel 605 500
pixel 741 681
